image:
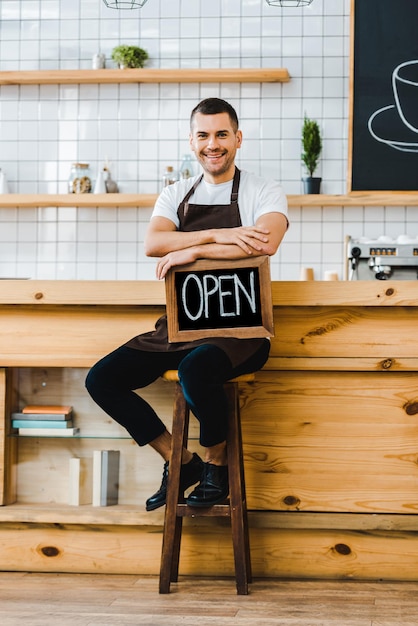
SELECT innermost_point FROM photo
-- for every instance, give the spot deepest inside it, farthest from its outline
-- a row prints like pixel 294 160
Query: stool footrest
pixel 217 510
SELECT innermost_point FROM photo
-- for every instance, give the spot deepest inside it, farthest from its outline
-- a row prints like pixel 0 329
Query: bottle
pixel 169 176
pixel 111 185
pixel 4 187
pixel 186 167
pixel 80 178
pixel 100 186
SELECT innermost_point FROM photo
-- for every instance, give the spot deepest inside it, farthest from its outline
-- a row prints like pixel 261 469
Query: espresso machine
pixel 383 258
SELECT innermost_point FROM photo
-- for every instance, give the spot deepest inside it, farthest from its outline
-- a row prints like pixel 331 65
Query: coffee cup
pixel 330 275
pixel 306 273
pixel 405 90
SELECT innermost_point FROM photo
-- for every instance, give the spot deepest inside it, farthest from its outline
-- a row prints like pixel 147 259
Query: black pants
pixel 202 373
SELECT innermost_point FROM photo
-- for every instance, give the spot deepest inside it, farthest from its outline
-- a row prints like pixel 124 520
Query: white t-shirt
pixel 256 197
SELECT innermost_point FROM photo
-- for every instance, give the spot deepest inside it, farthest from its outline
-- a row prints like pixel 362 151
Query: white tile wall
pixel 142 128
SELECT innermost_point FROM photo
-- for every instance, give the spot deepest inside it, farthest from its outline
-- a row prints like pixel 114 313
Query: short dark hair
pixel 213 106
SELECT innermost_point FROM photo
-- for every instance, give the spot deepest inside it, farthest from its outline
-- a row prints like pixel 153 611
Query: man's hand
pixel 248 238
pixel 179 257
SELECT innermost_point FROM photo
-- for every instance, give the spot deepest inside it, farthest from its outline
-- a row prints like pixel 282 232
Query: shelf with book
pixel 56 460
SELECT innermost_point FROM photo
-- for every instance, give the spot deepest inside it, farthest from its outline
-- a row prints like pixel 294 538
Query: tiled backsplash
pixel 142 128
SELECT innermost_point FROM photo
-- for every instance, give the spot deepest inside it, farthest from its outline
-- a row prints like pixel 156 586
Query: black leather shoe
pixel 190 474
pixel 213 487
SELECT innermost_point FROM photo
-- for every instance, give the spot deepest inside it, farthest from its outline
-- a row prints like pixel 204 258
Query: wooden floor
pixel 101 600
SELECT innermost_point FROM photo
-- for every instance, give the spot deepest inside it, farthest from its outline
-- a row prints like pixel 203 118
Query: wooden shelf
pixel 121 515
pixel 357 198
pixel 146 75
pixel 106 200
pixel 126 200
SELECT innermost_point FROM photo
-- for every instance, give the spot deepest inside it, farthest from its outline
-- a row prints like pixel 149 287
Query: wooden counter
pixel 330 432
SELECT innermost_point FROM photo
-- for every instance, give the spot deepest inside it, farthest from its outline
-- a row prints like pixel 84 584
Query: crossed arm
pixel 179 248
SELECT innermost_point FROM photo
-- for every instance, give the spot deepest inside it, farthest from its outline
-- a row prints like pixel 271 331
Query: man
pixel 221 214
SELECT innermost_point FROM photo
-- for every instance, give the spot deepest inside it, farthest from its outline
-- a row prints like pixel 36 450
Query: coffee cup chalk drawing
pixel 220 299
pixel 402 116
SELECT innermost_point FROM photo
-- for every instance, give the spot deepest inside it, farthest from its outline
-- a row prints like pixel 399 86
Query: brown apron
pixel 201 217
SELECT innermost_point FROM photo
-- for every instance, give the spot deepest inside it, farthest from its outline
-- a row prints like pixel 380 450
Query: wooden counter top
pixel 152 293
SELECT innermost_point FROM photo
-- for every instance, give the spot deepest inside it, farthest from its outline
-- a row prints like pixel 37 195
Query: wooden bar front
pixel 330 431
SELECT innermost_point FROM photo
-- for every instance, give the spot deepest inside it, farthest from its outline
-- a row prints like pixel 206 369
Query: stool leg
pixel 173 523
pixel 238 502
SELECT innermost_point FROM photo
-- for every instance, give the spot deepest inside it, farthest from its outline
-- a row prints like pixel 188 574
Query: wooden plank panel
pixel 345 332
pixel 341 554
pixel 331 442
pixel 207 551
pixel 80 336
pixel 345 397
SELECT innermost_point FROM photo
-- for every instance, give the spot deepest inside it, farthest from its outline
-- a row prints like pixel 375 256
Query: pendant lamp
pixel 288 3
pixel 124 4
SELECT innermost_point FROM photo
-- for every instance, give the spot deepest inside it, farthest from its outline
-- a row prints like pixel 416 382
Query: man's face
pixel 215 143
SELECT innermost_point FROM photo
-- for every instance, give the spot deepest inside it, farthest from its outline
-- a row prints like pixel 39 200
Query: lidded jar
pixel 169 176
pixel 186 167
pixel 80 178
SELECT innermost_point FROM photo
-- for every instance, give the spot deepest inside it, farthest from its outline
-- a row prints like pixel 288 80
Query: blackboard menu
pixel 384 98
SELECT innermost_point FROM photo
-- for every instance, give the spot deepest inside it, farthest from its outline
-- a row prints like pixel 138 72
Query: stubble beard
pixel 216 170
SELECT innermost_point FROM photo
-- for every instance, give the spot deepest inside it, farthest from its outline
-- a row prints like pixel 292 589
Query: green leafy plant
pixel 129 56
pixel 311 143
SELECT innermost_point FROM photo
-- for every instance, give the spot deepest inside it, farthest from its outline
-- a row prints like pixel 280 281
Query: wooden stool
pixel 235 507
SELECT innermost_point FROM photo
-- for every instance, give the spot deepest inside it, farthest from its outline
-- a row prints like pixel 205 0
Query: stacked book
pixel 38 420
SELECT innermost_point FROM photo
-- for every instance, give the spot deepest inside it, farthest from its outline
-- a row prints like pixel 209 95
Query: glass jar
pixel 169 176
pixel 186 167
pixel 80 178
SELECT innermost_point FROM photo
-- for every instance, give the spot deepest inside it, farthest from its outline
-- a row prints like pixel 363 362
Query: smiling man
pixel 223 213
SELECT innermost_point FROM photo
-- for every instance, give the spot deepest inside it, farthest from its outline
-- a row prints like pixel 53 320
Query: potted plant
pixel 312 148
pixel 129 56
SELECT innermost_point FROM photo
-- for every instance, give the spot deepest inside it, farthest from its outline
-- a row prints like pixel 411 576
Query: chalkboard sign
pixel 383 151
pixel 219 299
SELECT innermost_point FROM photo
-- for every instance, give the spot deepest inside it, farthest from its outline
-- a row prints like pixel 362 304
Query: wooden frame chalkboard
pixel 383 129
pixel 211 298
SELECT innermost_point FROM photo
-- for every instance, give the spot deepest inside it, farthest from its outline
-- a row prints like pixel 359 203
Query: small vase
pixel 4 187
pixel 99 61
pixel 100 186
pixel 312 185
